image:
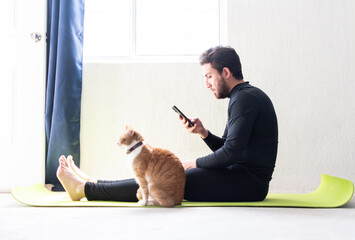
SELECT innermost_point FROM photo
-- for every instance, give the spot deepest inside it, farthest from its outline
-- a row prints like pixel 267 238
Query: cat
pixel 159 173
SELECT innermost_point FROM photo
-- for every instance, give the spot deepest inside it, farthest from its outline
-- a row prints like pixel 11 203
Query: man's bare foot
pixel 72 184
pixel 78 172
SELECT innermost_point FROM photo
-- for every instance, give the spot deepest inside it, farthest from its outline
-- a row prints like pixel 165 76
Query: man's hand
pixel 189 164
pixel 198 128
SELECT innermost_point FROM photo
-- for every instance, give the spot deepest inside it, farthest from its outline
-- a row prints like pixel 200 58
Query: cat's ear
pixel 140 138
pixel 130 130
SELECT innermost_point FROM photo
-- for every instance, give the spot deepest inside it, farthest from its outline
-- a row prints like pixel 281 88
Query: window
pixel 151 28
pixel 107 28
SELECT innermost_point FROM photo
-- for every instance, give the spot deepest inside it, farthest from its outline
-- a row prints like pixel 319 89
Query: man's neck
pixel 234 83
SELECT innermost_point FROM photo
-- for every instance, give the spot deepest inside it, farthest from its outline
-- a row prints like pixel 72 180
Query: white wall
pixel 300 53
pixel 142 95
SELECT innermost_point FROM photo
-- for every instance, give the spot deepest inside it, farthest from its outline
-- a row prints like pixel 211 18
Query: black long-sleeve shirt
pixel 250 137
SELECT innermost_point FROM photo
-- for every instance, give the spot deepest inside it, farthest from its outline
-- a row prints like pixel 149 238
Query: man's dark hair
pixel 220 57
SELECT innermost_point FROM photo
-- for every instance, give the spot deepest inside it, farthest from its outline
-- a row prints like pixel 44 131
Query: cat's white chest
pixel 133 154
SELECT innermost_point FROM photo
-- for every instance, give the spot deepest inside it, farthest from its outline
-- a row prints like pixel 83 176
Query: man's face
pixel 215 81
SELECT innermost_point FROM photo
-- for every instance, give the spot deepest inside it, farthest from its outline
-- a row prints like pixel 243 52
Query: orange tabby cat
pixel 159 173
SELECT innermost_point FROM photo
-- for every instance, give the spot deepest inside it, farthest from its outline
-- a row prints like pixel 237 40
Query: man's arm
pixel 240 125
pixel 210 139
pixel 214 142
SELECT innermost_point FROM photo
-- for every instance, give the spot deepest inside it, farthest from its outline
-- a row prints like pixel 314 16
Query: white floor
pixel 21 222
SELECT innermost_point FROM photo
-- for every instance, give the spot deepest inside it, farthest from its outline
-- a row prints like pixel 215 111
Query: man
pixel 242 162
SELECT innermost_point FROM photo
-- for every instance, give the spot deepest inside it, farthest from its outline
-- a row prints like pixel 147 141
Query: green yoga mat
pixel 332 192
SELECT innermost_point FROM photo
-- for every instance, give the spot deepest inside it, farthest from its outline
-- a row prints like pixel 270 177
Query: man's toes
pixel 65 161
pixel 70 160
pixel 61 162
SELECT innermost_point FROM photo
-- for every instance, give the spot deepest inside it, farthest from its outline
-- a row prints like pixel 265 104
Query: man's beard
pixel 223 90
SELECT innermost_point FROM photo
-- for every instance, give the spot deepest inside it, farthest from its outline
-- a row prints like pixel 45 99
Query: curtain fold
pixel 65 25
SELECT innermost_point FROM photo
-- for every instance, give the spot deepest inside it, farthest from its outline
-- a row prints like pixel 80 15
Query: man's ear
pixel 226 73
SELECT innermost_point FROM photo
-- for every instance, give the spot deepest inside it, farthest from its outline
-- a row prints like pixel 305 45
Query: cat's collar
pixel 137 145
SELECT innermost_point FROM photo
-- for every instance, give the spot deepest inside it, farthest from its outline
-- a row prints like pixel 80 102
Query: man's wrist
pixel 204 134
pixel 194 163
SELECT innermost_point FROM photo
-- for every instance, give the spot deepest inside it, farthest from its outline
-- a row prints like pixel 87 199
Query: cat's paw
pixel 142 202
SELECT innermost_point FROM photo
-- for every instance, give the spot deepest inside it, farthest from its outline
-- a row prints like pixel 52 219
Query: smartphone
pixel 183 116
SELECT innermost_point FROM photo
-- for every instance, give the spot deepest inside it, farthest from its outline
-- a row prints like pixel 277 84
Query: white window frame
pixel 182 58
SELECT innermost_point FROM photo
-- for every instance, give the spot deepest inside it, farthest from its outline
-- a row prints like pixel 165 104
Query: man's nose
pixel 208 85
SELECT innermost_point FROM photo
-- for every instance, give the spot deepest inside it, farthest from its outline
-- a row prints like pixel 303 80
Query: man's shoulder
pixel 246 91
pixel 248 87
pixel 248 95
pixel 249 91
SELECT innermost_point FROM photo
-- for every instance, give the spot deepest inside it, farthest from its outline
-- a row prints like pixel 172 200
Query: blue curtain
pixel 65 25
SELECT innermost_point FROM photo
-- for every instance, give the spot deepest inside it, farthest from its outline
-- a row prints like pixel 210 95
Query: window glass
pixel 184 27
pixel 133 28
pixel 107 28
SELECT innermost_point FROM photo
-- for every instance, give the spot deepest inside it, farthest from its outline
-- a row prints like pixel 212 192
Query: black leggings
pixel 234 184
